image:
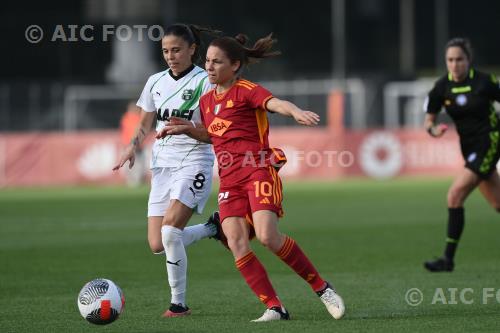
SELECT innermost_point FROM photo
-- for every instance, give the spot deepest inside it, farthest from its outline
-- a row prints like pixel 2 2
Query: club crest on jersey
pixel 217 109
pixel 229 104
pixel 218 126
pixel 461 100
pixel 187 94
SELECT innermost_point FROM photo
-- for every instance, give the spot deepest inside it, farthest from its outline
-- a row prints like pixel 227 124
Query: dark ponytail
pixel 235 49
pixel 191 34
pixel 241 38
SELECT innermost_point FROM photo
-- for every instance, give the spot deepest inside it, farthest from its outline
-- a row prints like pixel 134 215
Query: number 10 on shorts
pixel 263 188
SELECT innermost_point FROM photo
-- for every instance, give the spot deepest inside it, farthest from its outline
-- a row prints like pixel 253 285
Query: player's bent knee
pixel 156 249
pixel 238 246
pixel 455 198
pixel 270 242
pixel 156 246
pixel 236 243
pixel 496 205
pixel 169 235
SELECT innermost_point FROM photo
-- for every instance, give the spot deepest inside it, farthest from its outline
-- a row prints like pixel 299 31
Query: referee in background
pixel 467 96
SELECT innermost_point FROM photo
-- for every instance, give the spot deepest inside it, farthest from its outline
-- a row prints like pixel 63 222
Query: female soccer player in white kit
pixel 181 166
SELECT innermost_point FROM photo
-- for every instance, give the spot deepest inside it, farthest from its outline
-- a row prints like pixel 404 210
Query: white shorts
pixel 190 185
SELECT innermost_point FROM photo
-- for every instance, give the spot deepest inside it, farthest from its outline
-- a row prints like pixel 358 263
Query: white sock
pixel 194 233
pixel 176 263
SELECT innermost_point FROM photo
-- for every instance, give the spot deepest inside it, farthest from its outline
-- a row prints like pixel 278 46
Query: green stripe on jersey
pixel 185 84
pixel 196 96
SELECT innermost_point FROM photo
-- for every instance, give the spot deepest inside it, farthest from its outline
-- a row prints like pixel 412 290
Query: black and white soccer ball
pixel 101 301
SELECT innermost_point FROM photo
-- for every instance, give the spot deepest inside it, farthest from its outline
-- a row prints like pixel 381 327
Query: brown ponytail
pixel 235 49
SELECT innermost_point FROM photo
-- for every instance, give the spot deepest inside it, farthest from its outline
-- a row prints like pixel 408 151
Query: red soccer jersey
pixel 237 123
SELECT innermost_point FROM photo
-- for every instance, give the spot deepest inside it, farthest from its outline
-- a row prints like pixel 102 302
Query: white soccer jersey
pixel 167 97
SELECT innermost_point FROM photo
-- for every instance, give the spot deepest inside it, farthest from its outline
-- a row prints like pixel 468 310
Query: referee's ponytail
pixel 192 34
pixel 462 43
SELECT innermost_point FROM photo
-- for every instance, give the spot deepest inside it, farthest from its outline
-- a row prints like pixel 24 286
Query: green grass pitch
pixel 368 238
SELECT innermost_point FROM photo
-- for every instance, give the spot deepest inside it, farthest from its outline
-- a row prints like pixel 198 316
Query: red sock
pixel 293 256
pixel 256 277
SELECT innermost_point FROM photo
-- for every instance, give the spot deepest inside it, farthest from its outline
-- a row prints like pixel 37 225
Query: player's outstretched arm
pixel 177 126
pixel 286 108
pixel 435 130
pixel 147 119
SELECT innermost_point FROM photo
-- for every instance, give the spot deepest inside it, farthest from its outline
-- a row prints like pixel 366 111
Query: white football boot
pixel 274 313
pixel 333 302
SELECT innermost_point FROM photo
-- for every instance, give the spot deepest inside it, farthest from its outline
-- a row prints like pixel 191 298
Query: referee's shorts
pixel 481 155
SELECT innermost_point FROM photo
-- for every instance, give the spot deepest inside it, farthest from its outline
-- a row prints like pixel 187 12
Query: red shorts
pixel 263 191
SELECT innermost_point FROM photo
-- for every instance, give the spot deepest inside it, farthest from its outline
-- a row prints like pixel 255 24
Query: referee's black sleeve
pixel 435 99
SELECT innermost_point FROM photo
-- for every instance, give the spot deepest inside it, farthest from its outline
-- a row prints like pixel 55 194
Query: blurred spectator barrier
pixel 87 157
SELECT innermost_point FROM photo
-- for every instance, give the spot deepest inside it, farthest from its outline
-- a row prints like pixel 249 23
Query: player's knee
pixel 238 245
pixel 156 248
pixel 269 241
pixel 155 244
pixel 235 243
pixel 170 235
pixel 265 240
pixel 496 205
pixel 455 198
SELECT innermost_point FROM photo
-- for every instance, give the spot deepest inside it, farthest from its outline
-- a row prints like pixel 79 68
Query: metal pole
pixel 441 23
pixel 338 38
pixel 407 37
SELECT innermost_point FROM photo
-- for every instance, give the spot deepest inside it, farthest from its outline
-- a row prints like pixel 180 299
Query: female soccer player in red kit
pixel 235 122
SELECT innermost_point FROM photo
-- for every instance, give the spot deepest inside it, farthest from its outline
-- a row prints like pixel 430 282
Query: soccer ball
pixel 101 301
